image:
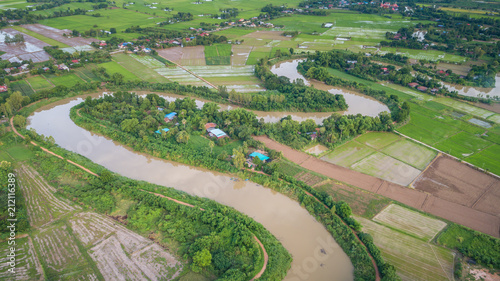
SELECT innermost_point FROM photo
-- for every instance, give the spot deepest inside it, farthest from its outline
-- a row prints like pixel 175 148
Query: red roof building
pixel 422 88
pixel 3 88
pixel 413 85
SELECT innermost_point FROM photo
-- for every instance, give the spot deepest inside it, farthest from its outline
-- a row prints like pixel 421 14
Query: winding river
pixel 316 256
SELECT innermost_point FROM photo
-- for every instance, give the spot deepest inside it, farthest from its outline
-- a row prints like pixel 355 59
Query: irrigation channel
pixel 316 256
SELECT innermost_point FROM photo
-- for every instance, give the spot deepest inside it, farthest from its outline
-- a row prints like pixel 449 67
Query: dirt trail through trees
pixel 424 201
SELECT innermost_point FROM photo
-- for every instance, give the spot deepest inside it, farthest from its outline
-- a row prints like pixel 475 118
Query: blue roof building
pixel 164 129
pixel 261 156
pixel 170 116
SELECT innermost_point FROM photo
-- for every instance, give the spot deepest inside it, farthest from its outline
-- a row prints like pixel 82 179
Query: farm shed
pixel 216 133
pixel 261 156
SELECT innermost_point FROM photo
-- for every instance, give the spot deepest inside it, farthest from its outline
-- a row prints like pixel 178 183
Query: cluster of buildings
pixel 422 88
pixel 135 49
pixel 23 67
pixel 388 5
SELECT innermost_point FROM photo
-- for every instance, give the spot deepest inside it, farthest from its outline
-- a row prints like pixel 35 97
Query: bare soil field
pixel 490 200
pixel 27 265
pixel 273 35
pixel 448 179
pixel 60 254
pixel 31 48
pixel 42 205
pixel 57 34
pixel 417 198
pixel 185 56
pixel 240 54
pixel 121 253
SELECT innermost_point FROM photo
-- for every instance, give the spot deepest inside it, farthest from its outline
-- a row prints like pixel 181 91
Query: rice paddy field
pixel 38 83
pixel 218 54
pixel 431 55
pixel 13 4
pixel 86 73
pixel 114 67
pixel 414 258
pixel 68 80
pixel 143 67
pixel 23 87
pixel 40 37
pixel 410 222
pixel 383 155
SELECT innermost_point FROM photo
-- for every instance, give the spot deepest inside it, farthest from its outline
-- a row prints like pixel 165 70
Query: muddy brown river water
pixel 316 256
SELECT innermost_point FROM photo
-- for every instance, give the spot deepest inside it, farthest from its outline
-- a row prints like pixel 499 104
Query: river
pixel 316 256
pixel 476 91
pixel 357 103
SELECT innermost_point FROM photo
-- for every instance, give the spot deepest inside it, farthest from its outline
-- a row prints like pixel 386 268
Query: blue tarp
pixel 261 156
pixel 171 115
pixel 164 129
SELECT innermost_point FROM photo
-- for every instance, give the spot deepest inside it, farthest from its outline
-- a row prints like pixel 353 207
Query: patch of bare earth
pixel 30 49
pixel 57 34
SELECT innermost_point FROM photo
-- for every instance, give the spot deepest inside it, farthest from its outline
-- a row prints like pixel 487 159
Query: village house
pixel 262 155
pixel 413 85
pixel 422 88
pixel 216 133
pixel 3 88
pixel 169 117
pixel 164 130
pixel 62 66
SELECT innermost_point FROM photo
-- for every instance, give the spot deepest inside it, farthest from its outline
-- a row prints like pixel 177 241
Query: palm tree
pixel 184 123
pixel 211 144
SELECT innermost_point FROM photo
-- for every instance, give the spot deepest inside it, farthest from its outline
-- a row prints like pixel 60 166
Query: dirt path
pixel 464 215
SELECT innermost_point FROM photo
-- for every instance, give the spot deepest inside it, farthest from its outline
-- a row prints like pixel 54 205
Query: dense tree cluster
pixel 99 56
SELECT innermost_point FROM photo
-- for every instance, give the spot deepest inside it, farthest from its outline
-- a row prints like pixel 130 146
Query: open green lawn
pixel 47 40
pixel 38 83
pixel 113 67
pixel 22 87
pixel 413 258
pixel 68 80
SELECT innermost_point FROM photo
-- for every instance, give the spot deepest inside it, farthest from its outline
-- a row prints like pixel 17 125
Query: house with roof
pixel 62 66
pixel 169 117
pixel 262 157
pixel 210 125
pixel 422 88
pixel 3 88
pixel 413 85
pixel 216 133
pixel 164 130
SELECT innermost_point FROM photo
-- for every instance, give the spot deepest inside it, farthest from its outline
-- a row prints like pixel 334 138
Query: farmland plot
pixel 411 153
pixel 181 76
pixel 410 222
pixel 239 78
pixel 413 258
pixel 57 35
pixel 388 168
pixel 27 265
pixel 143 66
pixel 60 255
pixel 22 87
pixel 42 205
pixel 31 48
pixel 354 32
pixel 120 253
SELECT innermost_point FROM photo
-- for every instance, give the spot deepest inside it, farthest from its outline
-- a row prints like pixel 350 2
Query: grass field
pixel 143 67
pixel 47 40
pixel 218 54
pixel 410 222
pixel 86 74
pixel 68 80
pixel 113 67
pixel 348 154
pixel 377 140
pixel 413 258
pixel 22 87
pixel 38 83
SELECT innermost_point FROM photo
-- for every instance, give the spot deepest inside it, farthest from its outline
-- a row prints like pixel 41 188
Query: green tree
pixel 211 144
pixel 182 137
pixel 238 159
pixel 202 258
pixel 19 121
pixel 129 125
